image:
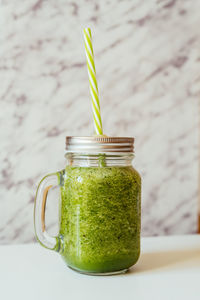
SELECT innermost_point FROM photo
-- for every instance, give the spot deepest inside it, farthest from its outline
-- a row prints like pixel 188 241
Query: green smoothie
pixel 100 218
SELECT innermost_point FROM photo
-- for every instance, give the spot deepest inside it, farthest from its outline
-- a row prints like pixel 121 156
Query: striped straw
pixel 93 82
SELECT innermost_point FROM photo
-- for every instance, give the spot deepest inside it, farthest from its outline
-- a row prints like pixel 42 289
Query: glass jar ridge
pixel 99 160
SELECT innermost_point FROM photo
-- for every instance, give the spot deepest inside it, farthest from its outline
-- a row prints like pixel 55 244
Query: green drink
pixel 100 223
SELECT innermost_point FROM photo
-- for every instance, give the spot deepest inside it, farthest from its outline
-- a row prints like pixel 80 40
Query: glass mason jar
pixel 100 206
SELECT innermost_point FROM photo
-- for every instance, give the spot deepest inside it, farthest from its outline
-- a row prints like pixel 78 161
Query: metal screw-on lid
pixel 99 144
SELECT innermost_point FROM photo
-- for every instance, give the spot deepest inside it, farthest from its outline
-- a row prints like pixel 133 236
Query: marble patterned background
pixel 148 66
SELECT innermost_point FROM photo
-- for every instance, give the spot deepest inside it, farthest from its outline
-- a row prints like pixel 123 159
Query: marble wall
pixel 148 67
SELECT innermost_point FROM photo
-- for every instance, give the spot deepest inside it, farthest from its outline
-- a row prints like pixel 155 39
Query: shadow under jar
pixel 100 207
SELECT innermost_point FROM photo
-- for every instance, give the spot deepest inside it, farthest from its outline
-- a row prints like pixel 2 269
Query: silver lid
pixel 99 144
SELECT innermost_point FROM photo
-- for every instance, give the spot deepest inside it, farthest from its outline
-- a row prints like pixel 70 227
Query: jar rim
pixel 99 144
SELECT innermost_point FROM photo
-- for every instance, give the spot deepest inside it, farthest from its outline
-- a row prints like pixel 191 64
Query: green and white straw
pixel 93 81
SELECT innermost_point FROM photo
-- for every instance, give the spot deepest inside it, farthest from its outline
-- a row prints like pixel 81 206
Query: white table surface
pixel 169 268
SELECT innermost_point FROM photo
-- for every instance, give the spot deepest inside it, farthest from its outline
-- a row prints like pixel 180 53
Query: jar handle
pixel 48 182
